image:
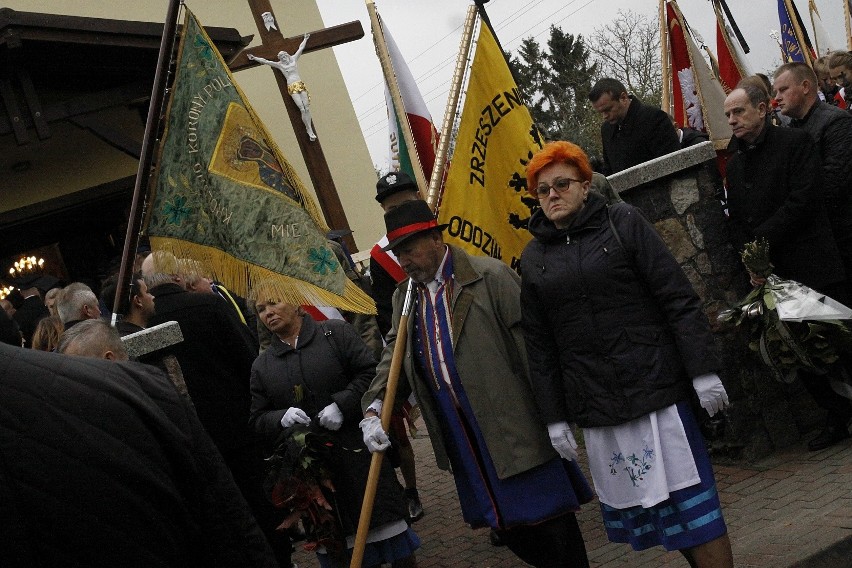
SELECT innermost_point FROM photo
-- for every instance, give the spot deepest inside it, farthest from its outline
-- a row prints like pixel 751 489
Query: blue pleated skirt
pixel 385 551
pixel 689 517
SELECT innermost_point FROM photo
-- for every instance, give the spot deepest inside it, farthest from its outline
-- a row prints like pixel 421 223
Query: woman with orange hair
pixel 616 340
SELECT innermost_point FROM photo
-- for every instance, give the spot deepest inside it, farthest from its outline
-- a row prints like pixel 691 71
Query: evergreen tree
pixel 556 83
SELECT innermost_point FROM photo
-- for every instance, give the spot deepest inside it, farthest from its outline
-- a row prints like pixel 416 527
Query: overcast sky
pixel 428 35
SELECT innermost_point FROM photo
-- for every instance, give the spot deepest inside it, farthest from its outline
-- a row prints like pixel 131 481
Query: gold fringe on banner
pixel 179 215
pixel 246 279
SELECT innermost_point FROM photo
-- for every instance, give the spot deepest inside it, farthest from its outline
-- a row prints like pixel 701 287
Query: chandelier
pixel 26 266
pixel 5 291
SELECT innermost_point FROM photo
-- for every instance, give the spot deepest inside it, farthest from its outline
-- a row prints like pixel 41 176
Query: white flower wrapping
pixel 797 302
pixel 792 327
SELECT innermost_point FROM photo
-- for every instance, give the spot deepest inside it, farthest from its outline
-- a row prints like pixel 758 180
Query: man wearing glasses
pixel 840 71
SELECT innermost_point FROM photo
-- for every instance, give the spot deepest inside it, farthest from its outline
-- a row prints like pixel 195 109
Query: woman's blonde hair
pixel 47 333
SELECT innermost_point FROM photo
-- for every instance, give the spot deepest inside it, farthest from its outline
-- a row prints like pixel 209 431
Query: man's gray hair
pixel 160 267
pixel 92 338
pixel 157 278
pixel 755 90
pixel 72 300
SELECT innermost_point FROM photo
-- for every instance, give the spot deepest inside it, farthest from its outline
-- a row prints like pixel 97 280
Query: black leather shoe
pixel 829 436
pixel 495 538
pixel 415 508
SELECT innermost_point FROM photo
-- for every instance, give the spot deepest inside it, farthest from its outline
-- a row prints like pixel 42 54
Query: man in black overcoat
pixel 216 356
pixel 104 464
pixel 775 192
pixel 831 130
pixel 632 133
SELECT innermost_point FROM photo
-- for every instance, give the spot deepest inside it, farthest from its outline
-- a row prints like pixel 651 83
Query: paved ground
pixel 793 509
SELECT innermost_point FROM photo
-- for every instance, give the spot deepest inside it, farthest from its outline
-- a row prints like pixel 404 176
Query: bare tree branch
pixel 628 49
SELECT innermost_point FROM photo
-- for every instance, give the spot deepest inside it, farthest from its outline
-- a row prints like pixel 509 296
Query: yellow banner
pixel 485 201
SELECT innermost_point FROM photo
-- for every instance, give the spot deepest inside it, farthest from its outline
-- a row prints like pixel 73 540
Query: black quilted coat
pixel 612 332
pixel 104 464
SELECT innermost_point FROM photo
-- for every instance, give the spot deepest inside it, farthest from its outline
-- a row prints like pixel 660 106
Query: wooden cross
pixel 274 41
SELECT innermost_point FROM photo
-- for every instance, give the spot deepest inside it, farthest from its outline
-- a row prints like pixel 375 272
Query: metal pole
pixel 393 87
pixel 846 17
pixel 146 157
pixel 449 115
pixel 666 98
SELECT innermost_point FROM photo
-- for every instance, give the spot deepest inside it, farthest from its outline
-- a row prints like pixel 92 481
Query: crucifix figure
pixel 287 64
pixel 273 42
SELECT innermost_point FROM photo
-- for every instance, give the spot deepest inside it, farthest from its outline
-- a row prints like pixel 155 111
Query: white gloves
pixel 294 415
pixel 562 440
pixel 711 393
pixel 375 438
pixel 376 406
pixel 330 417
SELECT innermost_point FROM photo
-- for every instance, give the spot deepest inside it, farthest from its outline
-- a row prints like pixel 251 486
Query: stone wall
pixel 685 208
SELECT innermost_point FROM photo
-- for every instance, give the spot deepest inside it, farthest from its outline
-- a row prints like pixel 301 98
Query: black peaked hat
pixel 409 219
pixel 393 182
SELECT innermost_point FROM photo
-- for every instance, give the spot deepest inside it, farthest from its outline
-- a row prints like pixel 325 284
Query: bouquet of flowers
pixel 297 481
pixel 791 326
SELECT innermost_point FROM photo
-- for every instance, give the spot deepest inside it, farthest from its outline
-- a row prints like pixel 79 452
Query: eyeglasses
pixel 561 185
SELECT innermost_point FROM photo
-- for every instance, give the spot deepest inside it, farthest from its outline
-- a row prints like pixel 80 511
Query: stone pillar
pixel 680 195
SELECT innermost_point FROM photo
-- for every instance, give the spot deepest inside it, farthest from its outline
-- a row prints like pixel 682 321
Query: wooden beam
pixel 112 136
pixel 320 39
pixel 111 98
pixel 10 101
pixel 274 41
pixel 33 103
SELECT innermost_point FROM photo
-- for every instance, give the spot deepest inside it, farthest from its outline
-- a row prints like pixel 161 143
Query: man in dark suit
pixel 775 192
pixel 831 130
pixel 632 133
pixel 215 357
pixel 32 309
pixel 9 331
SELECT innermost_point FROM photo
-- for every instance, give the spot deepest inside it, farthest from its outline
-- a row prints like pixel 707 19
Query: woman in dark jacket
pixel 313 375
pixel 616 339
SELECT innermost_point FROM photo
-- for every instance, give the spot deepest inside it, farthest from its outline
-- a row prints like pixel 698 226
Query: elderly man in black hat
pixel 392 190
pixel 465 362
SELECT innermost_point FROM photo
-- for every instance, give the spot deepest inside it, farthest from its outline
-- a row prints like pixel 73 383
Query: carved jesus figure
pixel 287 64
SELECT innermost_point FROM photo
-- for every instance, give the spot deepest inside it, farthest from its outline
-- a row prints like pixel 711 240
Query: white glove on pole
pixel 330 417
pixel 375 438
pixel 562 440
pixel 294 415
pixel 711 392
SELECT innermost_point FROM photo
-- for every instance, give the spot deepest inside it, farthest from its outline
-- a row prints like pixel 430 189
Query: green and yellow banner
pixel 485 201
pixel 224 194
